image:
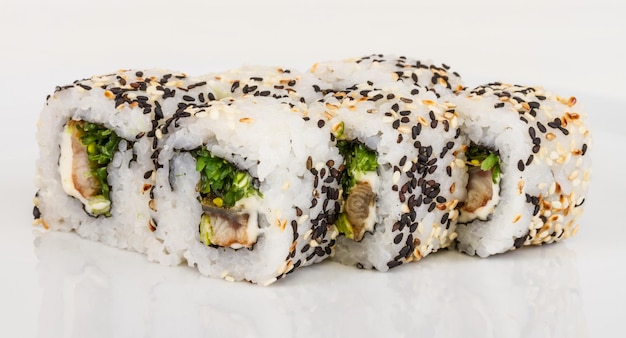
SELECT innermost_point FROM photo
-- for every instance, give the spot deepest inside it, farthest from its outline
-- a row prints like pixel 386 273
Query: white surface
pixel 63 286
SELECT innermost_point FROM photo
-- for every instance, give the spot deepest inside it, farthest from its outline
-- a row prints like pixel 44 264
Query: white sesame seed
pixel 281 268
pixel 388 119
pixel 303 219
pixel 554 155
pixel 396 177
pixel 313 243
pixel 407 166
pixel 269 281
pixel 405 208
pixel 308 234
pixel 459 163
pixel 404 129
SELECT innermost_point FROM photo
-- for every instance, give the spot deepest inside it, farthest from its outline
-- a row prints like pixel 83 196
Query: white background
pixel 67 287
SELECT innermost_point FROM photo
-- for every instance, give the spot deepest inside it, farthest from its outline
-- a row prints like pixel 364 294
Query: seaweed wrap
pixel 527 156
pixel 400 185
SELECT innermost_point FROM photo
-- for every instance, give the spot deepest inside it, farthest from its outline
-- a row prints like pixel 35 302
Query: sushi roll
pixel 246 189
pixel 528 162
pixel 400 186
pixel 382 68
pixel 96 137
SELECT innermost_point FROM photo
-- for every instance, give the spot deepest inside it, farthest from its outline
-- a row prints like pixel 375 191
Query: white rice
pixel 545 168
pixel 409 224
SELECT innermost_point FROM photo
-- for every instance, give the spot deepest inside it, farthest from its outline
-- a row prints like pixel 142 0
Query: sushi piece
pixel 246 189
pixel 381 68
pixel 96 137
pixel 400 186
pixel 529 167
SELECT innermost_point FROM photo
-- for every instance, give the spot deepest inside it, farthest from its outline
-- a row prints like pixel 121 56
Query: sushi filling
pixel 359 181
pixel 86 151
pixel 483 186
pixel 230 202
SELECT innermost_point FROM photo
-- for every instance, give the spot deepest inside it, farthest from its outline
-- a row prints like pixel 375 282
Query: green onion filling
pixel 221 183
pixel 221 186
pixel 486 159
pixel 359 161
pixel 101 144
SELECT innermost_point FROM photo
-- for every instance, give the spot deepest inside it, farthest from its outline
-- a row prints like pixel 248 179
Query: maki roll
pixel 96 137
pixel 381 68
pixel 529 167
pixel 246 189
pixel 400 186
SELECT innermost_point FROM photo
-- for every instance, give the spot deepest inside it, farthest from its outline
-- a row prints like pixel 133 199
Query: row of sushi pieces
pixel 252 173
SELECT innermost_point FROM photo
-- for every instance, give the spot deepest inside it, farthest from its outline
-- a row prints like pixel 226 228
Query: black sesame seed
pixel 541 127
pixel 432 206
pixel 393 264
pixel 405 251
pixel 305 248
pixel 536 148
pixel 415 131
pixel 36 212
pixel 519 242
pixel 234 86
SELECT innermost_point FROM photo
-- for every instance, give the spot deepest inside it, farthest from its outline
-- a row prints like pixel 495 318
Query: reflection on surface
pixel 91 290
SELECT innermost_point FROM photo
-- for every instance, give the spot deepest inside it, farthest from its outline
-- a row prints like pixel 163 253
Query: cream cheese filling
pixel 93 205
